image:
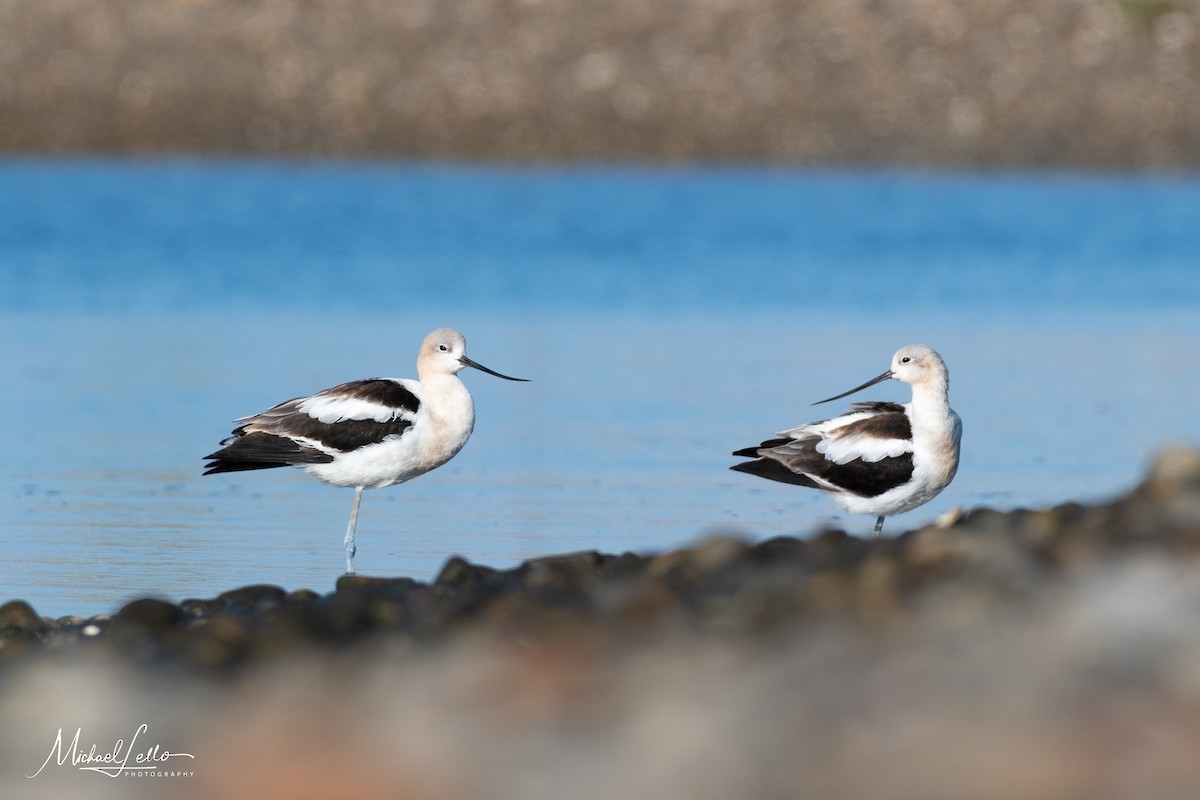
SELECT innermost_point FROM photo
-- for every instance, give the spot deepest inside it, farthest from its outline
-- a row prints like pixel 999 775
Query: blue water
pixel 665 317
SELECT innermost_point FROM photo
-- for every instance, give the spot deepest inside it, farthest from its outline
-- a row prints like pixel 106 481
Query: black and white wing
pixel 865 452
pixel 314 430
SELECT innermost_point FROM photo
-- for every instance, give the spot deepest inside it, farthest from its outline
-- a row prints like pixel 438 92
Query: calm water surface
pixel 665 317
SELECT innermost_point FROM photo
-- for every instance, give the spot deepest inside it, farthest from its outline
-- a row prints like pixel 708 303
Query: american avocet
pixel 880 458
pixel 368 433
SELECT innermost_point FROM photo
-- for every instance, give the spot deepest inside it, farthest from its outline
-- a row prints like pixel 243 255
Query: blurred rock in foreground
pixel 1083 83
pixel 1034 654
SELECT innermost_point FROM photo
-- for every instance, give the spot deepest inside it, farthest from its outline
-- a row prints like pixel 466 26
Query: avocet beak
pixel 871 382
pixel 466 362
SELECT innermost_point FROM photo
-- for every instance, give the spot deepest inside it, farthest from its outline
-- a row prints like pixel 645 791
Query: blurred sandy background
pixel 995 83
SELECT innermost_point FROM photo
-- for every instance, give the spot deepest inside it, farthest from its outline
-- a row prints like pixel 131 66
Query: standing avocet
pixel 880 458
pixel 367 433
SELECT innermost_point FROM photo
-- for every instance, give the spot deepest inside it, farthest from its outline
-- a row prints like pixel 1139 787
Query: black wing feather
pixel 868 479
pixel 384 391
pixel 773 470
pixel 349 434
pixel 258 450
pixel 795 460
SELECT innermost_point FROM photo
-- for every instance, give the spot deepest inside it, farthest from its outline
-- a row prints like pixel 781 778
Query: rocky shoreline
pixel 1037 654
pixel 724 585
pixel 1003 83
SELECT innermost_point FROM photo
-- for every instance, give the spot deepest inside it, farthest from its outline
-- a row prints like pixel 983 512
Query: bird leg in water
pixel 875 535
pixel 349 543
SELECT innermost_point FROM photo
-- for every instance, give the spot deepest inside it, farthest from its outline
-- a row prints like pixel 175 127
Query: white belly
pixel 422 448
pixel 933 469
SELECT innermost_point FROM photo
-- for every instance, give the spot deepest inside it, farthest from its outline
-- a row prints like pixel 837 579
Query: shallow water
pixel 665 317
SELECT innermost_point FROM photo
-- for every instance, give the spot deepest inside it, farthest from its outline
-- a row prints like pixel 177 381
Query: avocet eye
pixel 905 360
pixel 443 348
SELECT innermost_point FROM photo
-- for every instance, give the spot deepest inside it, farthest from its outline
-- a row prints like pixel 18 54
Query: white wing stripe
pixel 845 449
pixel 330 408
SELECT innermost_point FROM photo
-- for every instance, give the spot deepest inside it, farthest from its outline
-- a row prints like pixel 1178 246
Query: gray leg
pixel 878 528
pixel 349 543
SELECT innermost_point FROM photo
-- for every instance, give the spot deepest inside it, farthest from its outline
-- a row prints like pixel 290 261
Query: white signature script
pixel 113 761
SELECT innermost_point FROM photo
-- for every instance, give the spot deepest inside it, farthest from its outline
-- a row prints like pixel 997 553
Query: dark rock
pixel 627 565
pixel 458 575
pixel 343 614
pixel 193 607
pixel 718 554
pixel 251 597
pixel 282 629
pixel 215 642
pixel 148 614
pixel 376 587
pixel 780 548
pixel 301 596
pixel 455 572
pixel 18 619
pixel 835 549
pixel 986 522
pixel 554 571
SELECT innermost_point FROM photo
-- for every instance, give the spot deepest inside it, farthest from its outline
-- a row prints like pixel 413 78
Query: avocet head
pixel 444 352
pixel 914 363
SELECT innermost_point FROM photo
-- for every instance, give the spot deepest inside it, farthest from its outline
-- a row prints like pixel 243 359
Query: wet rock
pixel 343 614
pixel 456 571
pixel 216 642
pixel 348 582
pixel 301 596
pixel 781 548
pixel 194 607
pixel 708 559
pixel 249 599
pixel 836 549
pixel 470 582
pixel 562 574
pixel 280 630
pixel 149 615
pixel 627 565
pixel 19 620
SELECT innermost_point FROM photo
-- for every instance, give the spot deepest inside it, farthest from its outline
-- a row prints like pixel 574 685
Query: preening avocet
pixel 367 433
pixel 880 458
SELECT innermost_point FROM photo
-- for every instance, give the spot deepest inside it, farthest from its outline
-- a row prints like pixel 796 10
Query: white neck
pixel 449 402
pixel 931 404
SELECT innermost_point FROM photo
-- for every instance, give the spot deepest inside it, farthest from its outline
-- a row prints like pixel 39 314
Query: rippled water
pixel 665 317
